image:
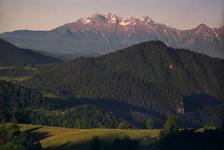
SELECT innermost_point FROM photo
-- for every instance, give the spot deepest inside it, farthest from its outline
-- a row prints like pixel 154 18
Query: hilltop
pixel 151 76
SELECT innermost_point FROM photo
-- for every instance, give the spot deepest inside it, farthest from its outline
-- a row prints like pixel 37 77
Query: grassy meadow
pixel 79 139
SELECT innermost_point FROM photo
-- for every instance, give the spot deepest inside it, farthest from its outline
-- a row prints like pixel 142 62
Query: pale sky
pixel 49 14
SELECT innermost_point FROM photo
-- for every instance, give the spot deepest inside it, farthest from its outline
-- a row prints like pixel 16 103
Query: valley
pixel 145 81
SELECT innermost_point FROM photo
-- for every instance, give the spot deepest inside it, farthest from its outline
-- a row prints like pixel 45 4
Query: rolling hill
pixel 66 139
pixel 13 56
pixel 151 76
pixel 24 105
pixel 82 139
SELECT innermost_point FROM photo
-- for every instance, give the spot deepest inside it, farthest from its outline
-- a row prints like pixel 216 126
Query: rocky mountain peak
pixel 203 28
pixel 114 19
pixel 106 32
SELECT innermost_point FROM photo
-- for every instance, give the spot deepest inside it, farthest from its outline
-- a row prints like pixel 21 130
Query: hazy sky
pixel 48 14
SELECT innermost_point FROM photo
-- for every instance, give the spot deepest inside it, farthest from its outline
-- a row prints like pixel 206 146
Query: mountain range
pixel 155 79
pixel 104 33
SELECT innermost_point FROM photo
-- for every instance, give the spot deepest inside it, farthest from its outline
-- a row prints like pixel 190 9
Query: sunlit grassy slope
pixel 11 73
pixel 54 137
pixel 14 78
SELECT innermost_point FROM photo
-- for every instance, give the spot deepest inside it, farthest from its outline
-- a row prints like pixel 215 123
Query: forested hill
pixel 149 75
pixel 12 55
pixel 24 105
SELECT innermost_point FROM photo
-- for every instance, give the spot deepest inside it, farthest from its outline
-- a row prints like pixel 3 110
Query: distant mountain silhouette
pixel 12 55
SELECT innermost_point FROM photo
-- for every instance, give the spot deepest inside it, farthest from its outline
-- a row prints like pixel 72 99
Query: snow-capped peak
pixel 203 29
pixel 111 18
pixel 125 22
pixel 86 20
pixel 94 18
pixel 146 19
pixel 114 19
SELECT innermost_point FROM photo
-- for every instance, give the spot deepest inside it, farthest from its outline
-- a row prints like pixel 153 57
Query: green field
pixel 55 137
pixel 11 73
pixel 14 78
pixel 50 94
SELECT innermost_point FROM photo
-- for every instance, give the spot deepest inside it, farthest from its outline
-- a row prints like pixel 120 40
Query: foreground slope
pixel 150 75
pixel 125 139
pixel 12 55
pixel 64 138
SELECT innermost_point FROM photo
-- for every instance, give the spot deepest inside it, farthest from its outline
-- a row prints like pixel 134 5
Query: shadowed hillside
pixel 12 55
pixel 148 75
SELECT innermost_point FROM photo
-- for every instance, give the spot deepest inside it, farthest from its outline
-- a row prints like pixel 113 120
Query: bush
pixel 149 123
pixel 11 138
pixel 169 126
pixel 124 125
pixel 79 124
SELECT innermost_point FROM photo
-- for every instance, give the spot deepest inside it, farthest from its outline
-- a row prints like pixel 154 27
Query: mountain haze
pixel 103 33
pixel 12 55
